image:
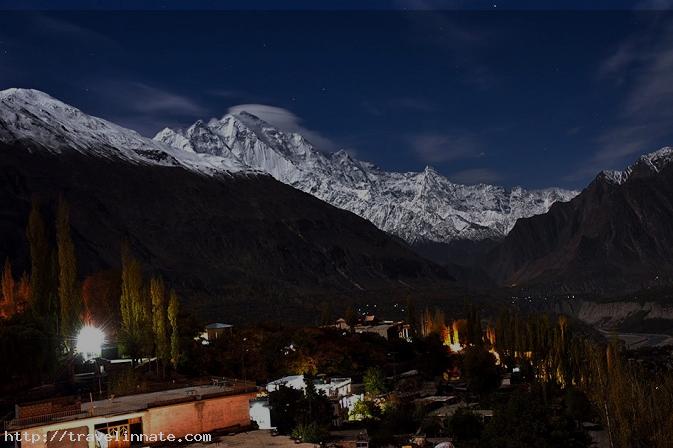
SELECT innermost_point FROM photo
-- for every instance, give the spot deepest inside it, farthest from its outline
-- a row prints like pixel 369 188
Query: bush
pixel 464 425
pixel 310 432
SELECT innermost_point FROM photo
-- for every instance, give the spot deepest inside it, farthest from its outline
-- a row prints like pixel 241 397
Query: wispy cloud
pixel 476 176
pixel 444 147
pixel 643 66
pixel 144 107
pixel 285 120
pixel 145 98
pixel 54 26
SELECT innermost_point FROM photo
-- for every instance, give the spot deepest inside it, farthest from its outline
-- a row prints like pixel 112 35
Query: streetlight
pixel 90 342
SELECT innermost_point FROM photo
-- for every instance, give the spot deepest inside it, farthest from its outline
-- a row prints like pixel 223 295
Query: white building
pixel 331 387
pixel 260 413
pixel 338 390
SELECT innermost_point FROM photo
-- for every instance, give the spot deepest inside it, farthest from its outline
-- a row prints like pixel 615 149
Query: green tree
pixel 70 299
pixel 374 381
pixel 136 331
pixel 36 233
pixel 159 320
pixel 364 410
pixel 173 310
pixel 311 432
pixel 285 403
pixel 315 407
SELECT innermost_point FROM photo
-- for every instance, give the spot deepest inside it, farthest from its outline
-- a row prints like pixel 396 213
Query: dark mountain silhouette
pixel 615 236
pixel 205 234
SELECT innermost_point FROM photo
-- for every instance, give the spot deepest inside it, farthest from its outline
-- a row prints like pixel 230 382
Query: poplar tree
pixel 69 299
pixel 8 288
pixel 39 262
pixel 173 310
pixel 159 320
pixel 135 327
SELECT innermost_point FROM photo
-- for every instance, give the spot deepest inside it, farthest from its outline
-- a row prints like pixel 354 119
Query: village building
pixel 133 420
pixel 338 390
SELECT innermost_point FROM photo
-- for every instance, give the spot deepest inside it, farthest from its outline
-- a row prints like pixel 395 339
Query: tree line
pixel 55 302
pixel 633 404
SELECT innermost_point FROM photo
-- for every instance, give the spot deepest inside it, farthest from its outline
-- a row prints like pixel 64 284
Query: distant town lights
pixel 90 342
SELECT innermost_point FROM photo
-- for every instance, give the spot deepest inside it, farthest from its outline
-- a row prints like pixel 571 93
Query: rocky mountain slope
pixel 207 223
pixel 615 236
pixel 420 207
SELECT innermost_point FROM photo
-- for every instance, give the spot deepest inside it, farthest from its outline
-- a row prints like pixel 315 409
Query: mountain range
pixel 237 201
pixel 419 207
pixel 214 229
pixel 614 237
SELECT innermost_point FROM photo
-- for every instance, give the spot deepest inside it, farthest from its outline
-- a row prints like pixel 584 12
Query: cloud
pixel 53 26
pixel 444 147
pixel 144 107
pixel 145 98
pixel 475 176
pixel 287 121
pixel 643 66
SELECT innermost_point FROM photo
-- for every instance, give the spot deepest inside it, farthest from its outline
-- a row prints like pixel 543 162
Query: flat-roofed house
pixel 137 420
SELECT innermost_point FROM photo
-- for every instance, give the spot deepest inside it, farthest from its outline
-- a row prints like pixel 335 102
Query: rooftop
pixel 134 403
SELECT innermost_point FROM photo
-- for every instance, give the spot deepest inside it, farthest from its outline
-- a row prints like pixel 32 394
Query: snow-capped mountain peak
pixel 39 121
pixel 417 206
pixel 652 162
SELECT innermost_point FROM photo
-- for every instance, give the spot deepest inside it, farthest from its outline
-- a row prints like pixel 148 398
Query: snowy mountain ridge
pixel 416 206
pixel 652 162
pixel 38 120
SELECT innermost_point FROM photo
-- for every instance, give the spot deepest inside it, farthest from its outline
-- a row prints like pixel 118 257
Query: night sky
pixel 532 98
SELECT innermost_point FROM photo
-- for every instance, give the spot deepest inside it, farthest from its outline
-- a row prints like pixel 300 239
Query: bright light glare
pixel 90 341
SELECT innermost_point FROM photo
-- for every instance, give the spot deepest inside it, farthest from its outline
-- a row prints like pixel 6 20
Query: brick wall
pixel 199 416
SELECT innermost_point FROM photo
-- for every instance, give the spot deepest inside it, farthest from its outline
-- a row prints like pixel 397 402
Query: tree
pixel 525 421
pixel 173 310
pixel 465 426
pixel 8 289
pixel 159 320
pixel 351 318
pixel 69 299
pixel 315 407
pixel 22 292
pixel 374 381
pixel 285 403
pixel 39 262
pixel 136 333
pixel 325 313
pixel 310 432
pixel 364 410
pixel 101 292
pixel 480 370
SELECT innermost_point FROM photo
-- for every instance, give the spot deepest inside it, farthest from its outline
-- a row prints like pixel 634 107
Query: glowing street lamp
pixel 90 342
